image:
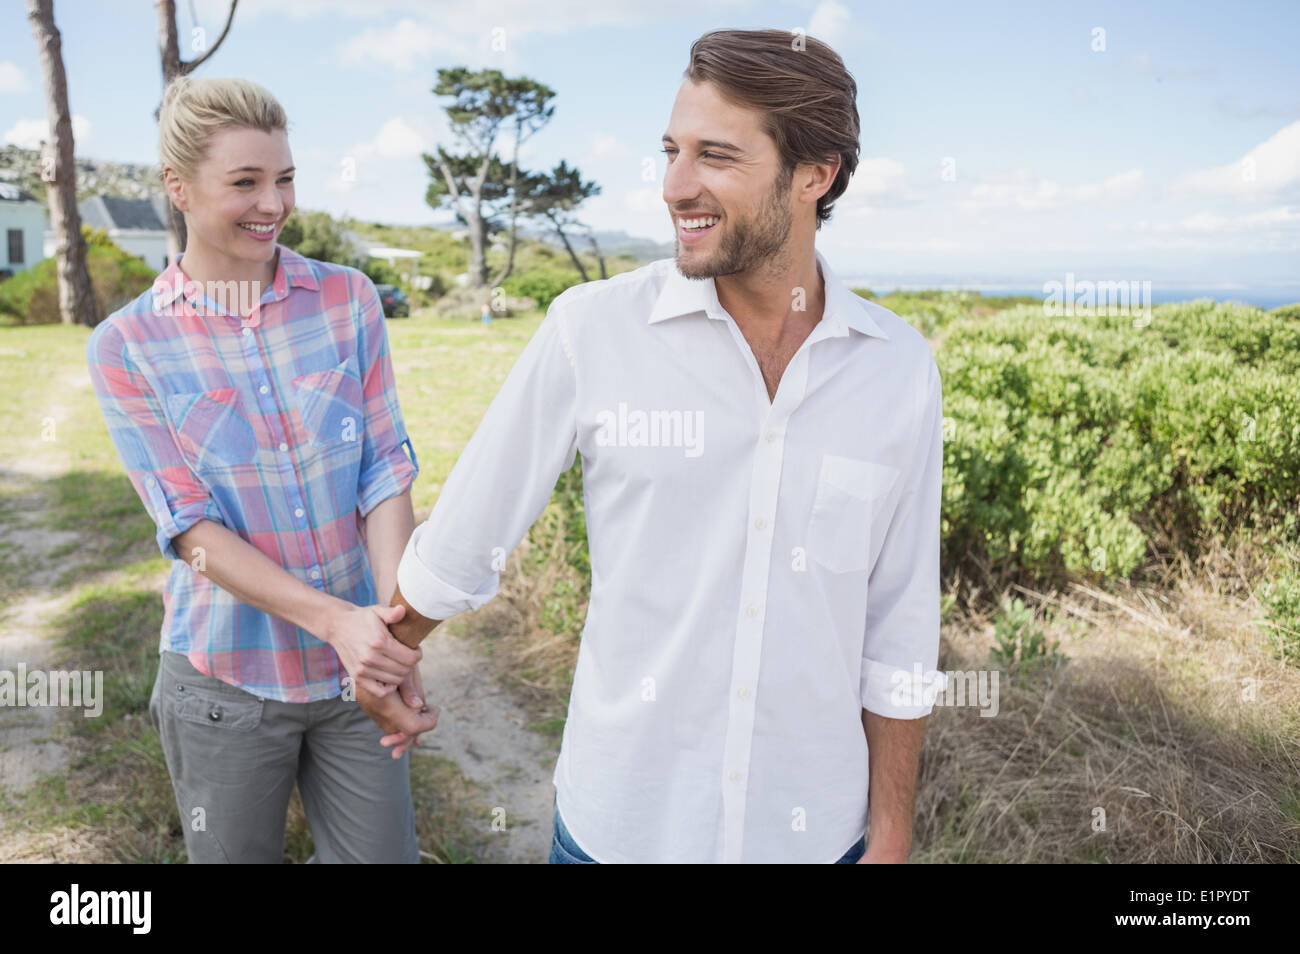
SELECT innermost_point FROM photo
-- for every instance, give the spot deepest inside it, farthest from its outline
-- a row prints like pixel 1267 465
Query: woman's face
pixel 241 196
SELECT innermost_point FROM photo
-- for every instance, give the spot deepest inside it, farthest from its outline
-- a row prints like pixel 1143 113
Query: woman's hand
pixel 399 717
pixel 373 658
pixel 411 692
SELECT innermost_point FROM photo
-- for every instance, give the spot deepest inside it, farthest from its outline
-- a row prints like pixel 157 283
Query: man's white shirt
pixel 761 570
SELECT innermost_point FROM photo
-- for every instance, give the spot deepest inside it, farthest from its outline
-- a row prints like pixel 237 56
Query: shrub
pixel 1077 445
pixel 32 296
pixel 543 285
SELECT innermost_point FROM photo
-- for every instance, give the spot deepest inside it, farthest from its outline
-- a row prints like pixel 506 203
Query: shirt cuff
pixel 899 693
pixel 428 593
pixel 172 524
pixel 387 477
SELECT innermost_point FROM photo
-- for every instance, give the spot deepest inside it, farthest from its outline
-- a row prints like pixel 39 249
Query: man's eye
pixel 286 179
pixel 706 155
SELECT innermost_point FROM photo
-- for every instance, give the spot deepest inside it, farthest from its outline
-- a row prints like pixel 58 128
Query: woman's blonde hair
pixel 193 109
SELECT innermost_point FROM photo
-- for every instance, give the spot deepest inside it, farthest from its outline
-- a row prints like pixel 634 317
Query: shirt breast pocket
pixel 213 431
pixel 330 405
pixel 850 499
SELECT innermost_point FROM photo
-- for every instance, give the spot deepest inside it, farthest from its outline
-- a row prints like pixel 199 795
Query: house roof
pixel 11 193
pixel 112 212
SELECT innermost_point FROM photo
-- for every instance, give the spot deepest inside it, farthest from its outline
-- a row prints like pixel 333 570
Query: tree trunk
pixel 59 170
pixel 514 212
pixel 172 67
pixel 169 48
pixel 591 237
pixel 577 263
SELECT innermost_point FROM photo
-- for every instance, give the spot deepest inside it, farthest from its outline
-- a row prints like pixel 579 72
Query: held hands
pixel 403 715
pixel 374 659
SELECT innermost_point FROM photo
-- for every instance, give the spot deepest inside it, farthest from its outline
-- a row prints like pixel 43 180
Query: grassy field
pixel 81 571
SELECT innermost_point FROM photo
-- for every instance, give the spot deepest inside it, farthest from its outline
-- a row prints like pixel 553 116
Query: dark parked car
pixel 394 301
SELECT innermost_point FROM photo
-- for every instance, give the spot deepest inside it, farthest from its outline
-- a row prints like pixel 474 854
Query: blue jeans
pixel 565 851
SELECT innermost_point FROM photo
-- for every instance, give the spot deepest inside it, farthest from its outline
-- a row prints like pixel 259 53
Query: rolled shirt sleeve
pixel 388 462
pixel 501 483
pixel 175 498
pixel 901 644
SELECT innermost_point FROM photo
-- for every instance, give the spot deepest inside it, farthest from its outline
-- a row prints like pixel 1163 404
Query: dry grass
pixel 1172 716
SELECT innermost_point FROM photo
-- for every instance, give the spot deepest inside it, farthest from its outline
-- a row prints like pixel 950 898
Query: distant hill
pixel 126 180
pixel 612 243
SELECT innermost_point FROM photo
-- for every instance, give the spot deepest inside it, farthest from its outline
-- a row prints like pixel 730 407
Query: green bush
pixel 32 296
pixel 541 284
pixel 1280 597
pixel 1078 444
pixel 1021 647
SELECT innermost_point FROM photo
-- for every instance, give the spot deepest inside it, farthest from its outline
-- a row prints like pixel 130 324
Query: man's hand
pixel 373 658
pixel 401 718
pixel 881 853
pixel 412 692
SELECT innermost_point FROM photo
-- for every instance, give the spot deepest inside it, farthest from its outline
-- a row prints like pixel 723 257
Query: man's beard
pixel 746 244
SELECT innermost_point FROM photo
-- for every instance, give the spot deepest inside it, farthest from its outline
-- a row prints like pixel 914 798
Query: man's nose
pixel 681 185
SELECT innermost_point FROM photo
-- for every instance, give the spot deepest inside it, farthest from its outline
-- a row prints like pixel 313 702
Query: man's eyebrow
pixel 257 169
pixel 709 144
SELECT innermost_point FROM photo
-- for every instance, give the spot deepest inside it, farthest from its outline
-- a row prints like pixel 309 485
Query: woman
pixel 250 396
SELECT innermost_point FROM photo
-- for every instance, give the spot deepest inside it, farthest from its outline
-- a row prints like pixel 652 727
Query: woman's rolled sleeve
pixel 389 465
pixel 174 497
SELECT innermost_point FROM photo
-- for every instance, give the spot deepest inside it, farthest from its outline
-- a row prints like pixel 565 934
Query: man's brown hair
pixel 801 87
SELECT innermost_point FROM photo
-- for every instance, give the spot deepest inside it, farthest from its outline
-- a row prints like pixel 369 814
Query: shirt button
pixel 263 389
pixel 760 523
pixel 734 776
pixel 771 436
pixel 247 331
pixel 298 512
pixel 315 574
pixel 742 693
pixel 151 481
pixel 283 446
pixel 751 611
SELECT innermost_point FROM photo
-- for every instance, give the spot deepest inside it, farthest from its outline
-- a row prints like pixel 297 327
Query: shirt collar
pixel 291 270
pixel 683 296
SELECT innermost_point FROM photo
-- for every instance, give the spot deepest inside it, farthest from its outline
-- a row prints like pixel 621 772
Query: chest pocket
pixel 213 431
pixel 330 405
pixel 848 507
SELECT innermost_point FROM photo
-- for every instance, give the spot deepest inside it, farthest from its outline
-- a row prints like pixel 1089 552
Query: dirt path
pixel 485 731
pixel 29 744
pixel 481 727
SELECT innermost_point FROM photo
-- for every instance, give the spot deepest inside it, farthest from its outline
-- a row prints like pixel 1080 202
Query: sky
pixel 1013 142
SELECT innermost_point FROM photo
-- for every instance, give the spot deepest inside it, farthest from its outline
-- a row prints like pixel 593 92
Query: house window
pixel 15 246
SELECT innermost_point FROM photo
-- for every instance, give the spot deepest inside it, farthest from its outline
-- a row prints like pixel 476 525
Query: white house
pixel 23 223
pixel 137 226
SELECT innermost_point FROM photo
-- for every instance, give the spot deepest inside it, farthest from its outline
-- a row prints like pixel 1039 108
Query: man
pixel 761 455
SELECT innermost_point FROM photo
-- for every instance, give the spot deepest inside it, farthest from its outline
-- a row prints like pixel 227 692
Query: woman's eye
pixel 244 181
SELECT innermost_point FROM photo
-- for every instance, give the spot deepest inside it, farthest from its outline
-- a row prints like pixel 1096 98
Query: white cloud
pixel 12 79
pixel 396 146
pixel 1021 190
pixel 1272 165
pixel 829 21
pixel 402 46
pixel 607 147
pixel 1208 223
pixel 28 133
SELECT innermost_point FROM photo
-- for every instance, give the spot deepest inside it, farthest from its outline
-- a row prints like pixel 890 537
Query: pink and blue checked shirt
pixel 283 426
